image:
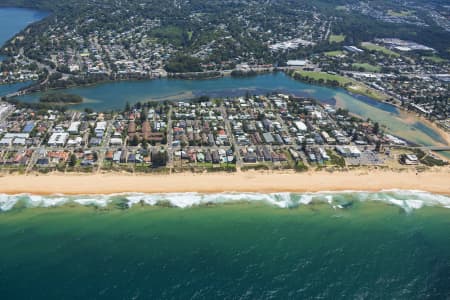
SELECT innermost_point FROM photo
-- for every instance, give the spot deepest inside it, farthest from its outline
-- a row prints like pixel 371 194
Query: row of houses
pixel 261 154
pixel 206 133
pixel 219 156
pixel 125 156
pixel 16 157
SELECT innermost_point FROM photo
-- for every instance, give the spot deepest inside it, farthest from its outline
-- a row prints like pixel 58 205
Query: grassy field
pixel 358 88
pixel 325 76
pixel 349 84
pixel 373 47
pixel 171 34
pixel 336 38
pixel 334 53
pixel 403 13
pixel 367 67
pixel 435 59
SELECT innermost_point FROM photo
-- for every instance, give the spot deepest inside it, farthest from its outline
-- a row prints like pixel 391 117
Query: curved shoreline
pixel 372 181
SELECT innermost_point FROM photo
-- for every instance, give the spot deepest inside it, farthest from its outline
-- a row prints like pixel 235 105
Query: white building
pixel 324 154
pixel 4 108
pixel 17 135
pixel 19 142
pixel 115 142
pixel 74 127
pixel 300 126
pixel 100 128
pixel 6 142
pixel 74 142
pixel 58 139
pixel 296 63
pixel 410 159
pixel 348 151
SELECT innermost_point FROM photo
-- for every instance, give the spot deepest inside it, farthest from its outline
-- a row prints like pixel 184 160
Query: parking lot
pixel 367 158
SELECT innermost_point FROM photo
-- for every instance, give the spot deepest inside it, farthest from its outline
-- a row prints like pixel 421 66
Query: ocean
pixel 348 245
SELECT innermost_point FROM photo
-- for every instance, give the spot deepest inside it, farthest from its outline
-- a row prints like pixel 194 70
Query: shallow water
pixel 6 89
pixel 446 154
pixel 248 250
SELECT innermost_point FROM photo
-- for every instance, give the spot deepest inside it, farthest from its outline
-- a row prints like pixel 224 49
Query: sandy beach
pixel 435 182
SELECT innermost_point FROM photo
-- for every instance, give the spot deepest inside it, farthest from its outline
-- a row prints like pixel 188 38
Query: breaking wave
pixel 407 200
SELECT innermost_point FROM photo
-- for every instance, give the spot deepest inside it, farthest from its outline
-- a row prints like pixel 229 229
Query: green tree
pixel 72 160
pixel 376 128
pixel 134 141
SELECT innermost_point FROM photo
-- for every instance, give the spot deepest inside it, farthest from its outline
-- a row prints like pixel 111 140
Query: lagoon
pixel 114 95
pixel 13 20
pixel 6 89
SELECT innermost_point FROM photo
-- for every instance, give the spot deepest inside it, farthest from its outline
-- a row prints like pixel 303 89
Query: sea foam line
pixel 409 200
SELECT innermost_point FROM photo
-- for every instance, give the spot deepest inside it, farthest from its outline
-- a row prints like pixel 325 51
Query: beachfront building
pixel 348 151
pixel 409 159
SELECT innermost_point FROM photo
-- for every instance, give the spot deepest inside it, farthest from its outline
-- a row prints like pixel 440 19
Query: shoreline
pixel 245 182
pixel 411 117
pixel 107 81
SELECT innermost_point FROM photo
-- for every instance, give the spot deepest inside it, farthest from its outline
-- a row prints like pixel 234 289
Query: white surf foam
pixel 407 200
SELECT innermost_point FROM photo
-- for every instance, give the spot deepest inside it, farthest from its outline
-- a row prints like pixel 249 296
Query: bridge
pixel 15 94
pixel 433 148
pixel 423 148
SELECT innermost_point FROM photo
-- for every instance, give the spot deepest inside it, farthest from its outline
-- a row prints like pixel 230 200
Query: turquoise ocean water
pixel 353 245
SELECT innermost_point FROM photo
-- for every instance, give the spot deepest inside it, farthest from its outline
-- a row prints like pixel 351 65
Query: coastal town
pixel 225 149
pixel 269 132
pixel 112 41
pixel 272 132
pixel 406 74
